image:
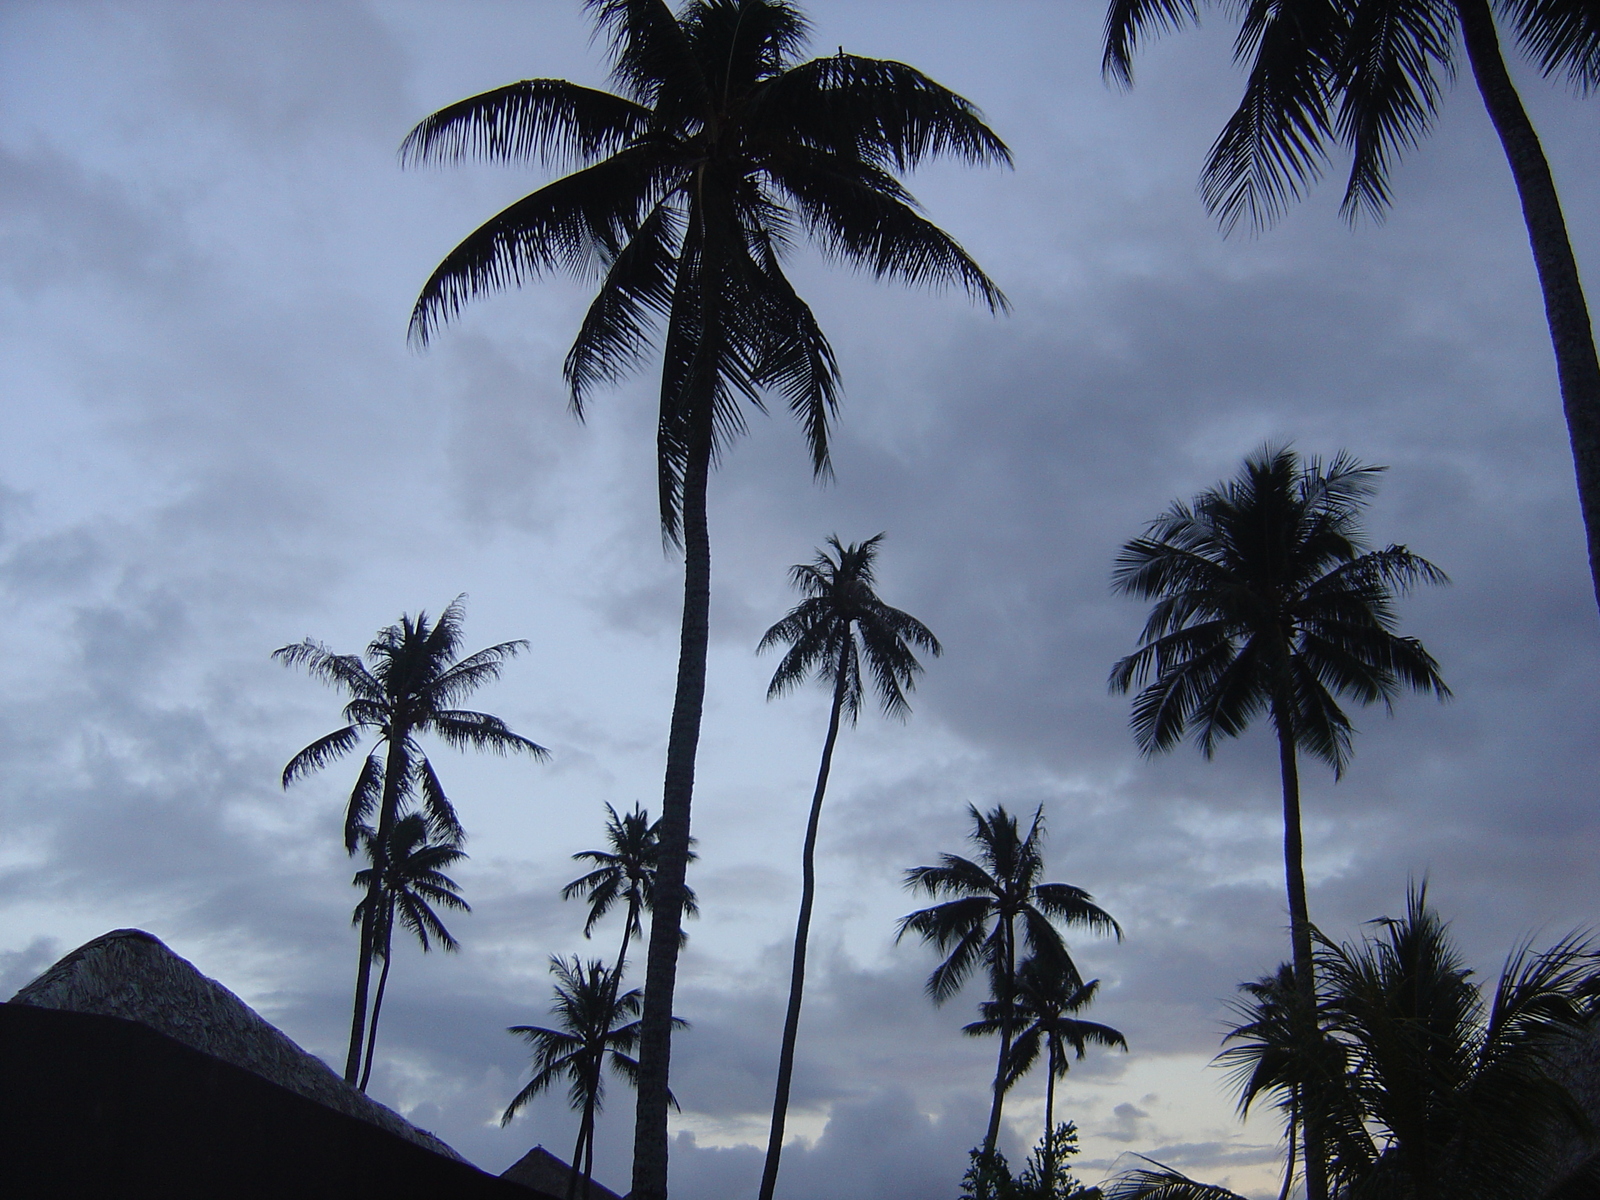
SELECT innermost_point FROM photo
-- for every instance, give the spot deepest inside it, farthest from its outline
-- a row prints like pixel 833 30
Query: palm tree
pixel 595 1029
pixel 625 873
pixel 839 623
pixel 1428 1088
pixel 1368 75
pixel 978 925
pixel 1268 602
pixel 688 191
pixel 412 880
pixel 405 688
pixel 1047 1001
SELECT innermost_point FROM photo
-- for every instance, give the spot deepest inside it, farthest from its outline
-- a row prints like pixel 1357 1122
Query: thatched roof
pixel 130 974
pixel 544 1172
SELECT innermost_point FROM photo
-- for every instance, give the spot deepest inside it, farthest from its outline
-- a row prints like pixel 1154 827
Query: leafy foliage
pixel 841 622
pixel 626 873
pixel 685 193
pixel 1045 1176
pixel 1267 601
pixel 1426 1084
pixel 407 686
pixel 1362 75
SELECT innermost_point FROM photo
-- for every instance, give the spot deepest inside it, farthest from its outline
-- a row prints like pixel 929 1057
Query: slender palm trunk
pixel 377 998
pixel 1300 935
pixel 1565 309
pixel 802 932
pixel 666 918
pixel 1288 1169
pixel 1007 984
pixel 394 771
pixel 1050 1056
pixel 588 1160
pixel 585 1132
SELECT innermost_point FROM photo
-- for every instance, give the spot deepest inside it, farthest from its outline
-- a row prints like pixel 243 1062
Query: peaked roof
pixel 542 1171
pixel 130 974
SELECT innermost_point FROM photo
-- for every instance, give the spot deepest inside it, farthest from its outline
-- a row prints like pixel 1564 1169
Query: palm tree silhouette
pixel 1048 999
pixel 839 623
pixel 688 191
pixel 1368 75
pixel 594 1029
pixel 625 873
pixel 405 688
pixel 1428 1087
pixel 1268 604
pixel 978 925
pixel 410 880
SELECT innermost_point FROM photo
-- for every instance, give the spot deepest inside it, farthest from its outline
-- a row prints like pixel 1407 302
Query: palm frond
pixel 320 753
pixel 533 120
pixel 1563 36
pixel 569 225
pixel 1127 21
pixel 1273 145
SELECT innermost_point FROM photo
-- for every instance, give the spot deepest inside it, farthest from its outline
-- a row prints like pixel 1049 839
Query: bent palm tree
pixel 595 1030
pixel 839 623
pixel 1427 1087
pixel 406 687
pixel 1367 74
pixel 689 190
pixel 411 880
pixel 978 926
pixel 1048 999
pixel 1266 603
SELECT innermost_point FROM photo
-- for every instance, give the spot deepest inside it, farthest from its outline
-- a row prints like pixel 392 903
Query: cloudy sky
pixel 219 442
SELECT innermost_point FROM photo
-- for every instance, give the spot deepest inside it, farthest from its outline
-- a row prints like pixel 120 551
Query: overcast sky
pixel 217 442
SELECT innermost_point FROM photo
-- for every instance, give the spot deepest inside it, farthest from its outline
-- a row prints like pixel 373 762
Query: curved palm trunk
pixel 377 998
pixel 1008 984
pixel 666 918
pixel 394 771
pixel 1300 935
pixel 802 932
pixel 1566 311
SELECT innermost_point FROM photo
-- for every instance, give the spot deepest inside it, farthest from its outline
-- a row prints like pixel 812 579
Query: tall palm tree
pixel 597 1026
pixel 1368 75
pixel 1268 602
pixel 1428 1087
pixel 840 622
pixel 411 880
pixel 1044 1012
pixel 977 926
pixel 688 190
pixel 405 688
pixel 625 873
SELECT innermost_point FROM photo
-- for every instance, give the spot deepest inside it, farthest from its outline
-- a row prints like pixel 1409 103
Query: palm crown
pixel 1266 602
pixel 626 873
pixel 841 622
pixel 594 1028
pixel 409 882
pixel 688 190
pixel 407 686
pixel 978 926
